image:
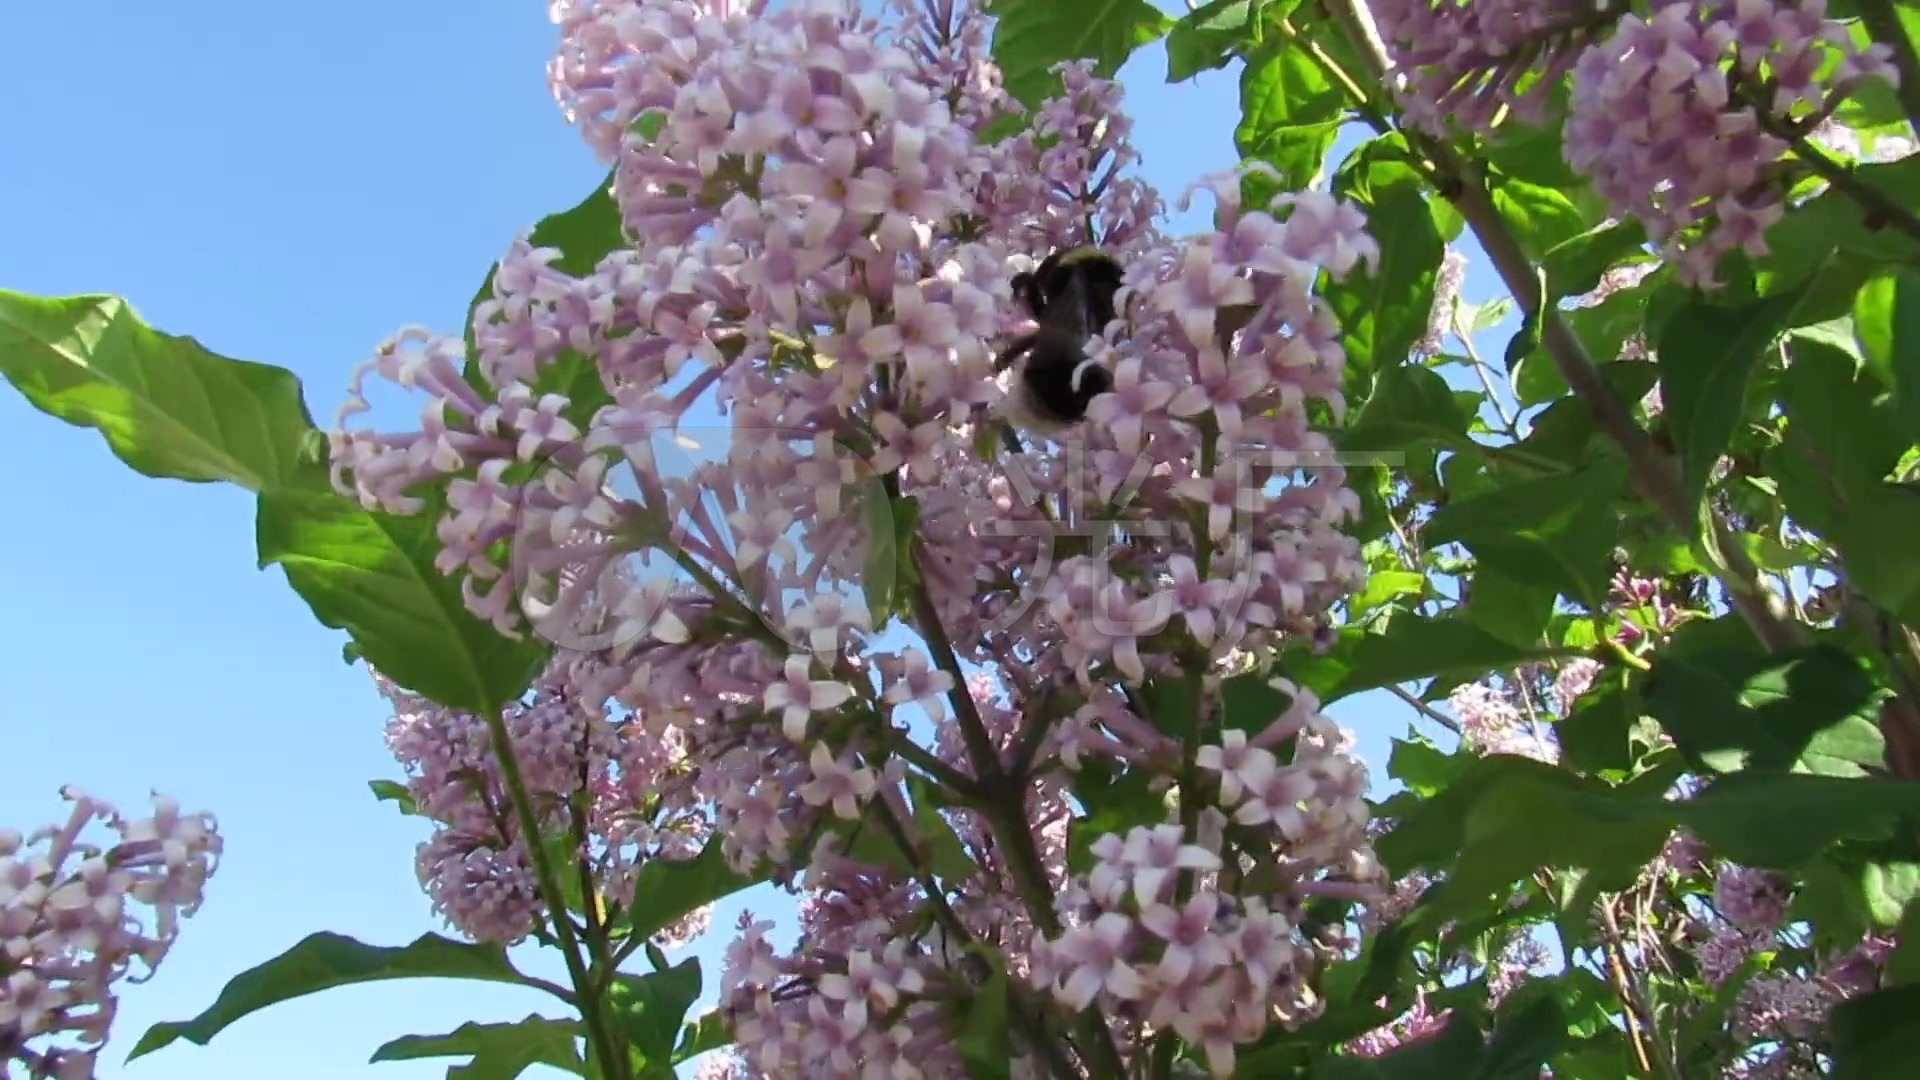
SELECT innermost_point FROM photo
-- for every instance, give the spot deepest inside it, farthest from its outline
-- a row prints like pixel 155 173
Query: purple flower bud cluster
pixel 571 750
pixel 1751 899
pixel 1676 116
pixel 820 249
pixel 76 914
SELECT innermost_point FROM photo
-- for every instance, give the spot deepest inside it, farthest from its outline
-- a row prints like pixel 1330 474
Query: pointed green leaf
pixel 395 793
pixel 667 890
pixel 372 574
pixel 498 1051
pixel 1290 112
pixel 1886 315
pixel 1706 354
pixel 1811 710
pixel 1031 36
pixel 166 406
pixel 323 961
pixel 1208 36
pixel 1557 532
pixel 651 1009
pixel 1412 647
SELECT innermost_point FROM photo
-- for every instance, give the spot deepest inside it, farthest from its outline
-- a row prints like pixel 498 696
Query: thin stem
pixel 1640 1023
pixel 1486 376
pixel 612 1056
pixel 973 730
pixel 1881 21
pixel 1425 709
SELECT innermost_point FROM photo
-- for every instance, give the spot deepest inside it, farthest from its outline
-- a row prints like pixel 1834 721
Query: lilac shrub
pixel 78 912
pixel 822 241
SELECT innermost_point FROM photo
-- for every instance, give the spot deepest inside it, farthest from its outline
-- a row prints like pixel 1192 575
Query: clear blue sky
pixel 289 185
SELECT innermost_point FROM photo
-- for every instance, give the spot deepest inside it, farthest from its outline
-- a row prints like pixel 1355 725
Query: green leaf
pixel 1412 647
pixel 1540 217
pixel 1539 817
pixel 651 1009
pixel 1206 38
pixel 1798 245
pixel 702 1035
pixel 499 1051
pixel 1290 112
pixel 1249 704
pixel 1382 312
pixel 165 405
pixel 667 890
pixel 1385 586
pixel 1903 964
pixel 1423 767
pixel 323 961
pixel 1876 1035
pixel 1886 315
pixel 1556 532
pixel 1510 610
pixel 1410 406
pixel 1603 328
pixel 1598 735
pixel 1779 820
pixel 883 557
pixel 1031 36
pixel 1706 355
pixel 1575 265
pixel 584 234
pixel 1810 710
pixel 946 855
pixel 396 793
pixel 372 574
pixel 1832 467
pixel 983 1036
pixel 1531 1028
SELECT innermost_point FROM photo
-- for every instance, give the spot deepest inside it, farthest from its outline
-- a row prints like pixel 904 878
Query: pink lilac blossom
pixel 1491 722
pixel 1418 1022
pixel 72 924
pixel 1676 116
pixel 568 744
pixel 819 243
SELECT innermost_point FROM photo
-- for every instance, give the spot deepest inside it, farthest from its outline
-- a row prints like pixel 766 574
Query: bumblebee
pixel 1071 294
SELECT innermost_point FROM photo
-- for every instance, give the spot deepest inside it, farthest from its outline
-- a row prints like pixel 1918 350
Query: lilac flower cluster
pixel 573 750
pixel 821 242
pixel 71 924
pixel 1492 721
pixel 1679 116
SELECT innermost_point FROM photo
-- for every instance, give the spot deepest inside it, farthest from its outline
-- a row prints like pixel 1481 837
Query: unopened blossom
pixel 82 902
